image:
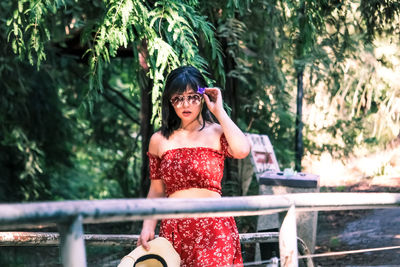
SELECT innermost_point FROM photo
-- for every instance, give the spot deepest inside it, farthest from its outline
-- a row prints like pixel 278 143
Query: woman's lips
pixel 186 113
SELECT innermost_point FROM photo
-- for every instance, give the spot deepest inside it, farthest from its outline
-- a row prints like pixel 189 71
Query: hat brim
pixel 160 254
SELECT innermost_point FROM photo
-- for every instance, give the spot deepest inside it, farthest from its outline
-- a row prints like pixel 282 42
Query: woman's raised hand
pixel 213 99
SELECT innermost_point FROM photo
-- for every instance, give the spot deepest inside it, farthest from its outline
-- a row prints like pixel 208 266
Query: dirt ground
pixel 358 230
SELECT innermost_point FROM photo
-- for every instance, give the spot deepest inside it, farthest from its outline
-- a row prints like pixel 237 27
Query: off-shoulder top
pixel 190 167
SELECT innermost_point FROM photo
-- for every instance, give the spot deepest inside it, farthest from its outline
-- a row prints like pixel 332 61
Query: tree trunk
pixel 146 130
pixel 230 98
pixel 299 123
pixel 230 89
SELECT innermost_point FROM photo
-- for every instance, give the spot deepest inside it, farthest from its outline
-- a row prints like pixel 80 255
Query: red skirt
pixel 204 241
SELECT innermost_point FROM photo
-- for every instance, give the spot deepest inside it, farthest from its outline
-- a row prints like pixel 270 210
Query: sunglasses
pixel 179 101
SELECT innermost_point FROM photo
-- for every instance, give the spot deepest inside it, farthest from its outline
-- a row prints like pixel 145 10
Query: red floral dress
pixel 211 241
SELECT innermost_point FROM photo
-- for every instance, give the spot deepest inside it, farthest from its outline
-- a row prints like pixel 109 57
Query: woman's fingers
pixel 143 240
pixel 212 94
pixel 210 104
pixel 139 241
pixel 145 245
pixel 213 99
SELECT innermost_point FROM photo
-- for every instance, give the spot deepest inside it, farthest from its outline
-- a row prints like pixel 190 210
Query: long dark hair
pixel 177 82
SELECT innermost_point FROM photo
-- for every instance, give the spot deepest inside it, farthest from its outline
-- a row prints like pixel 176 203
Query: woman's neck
pixel 191 126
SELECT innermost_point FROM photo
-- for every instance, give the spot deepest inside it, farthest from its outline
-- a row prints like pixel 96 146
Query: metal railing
pixel 45 239
pixel 69 216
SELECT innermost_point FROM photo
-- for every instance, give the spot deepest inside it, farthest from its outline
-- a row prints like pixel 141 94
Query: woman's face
pixel 188 105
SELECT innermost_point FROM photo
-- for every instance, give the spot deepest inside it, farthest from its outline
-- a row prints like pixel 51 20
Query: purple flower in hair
pixel 201 90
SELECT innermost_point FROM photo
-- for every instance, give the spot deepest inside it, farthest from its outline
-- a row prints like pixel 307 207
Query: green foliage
pixel 354 90
pixel 34 137
pixel 334 243
pixel 305 24
pixel 256 44
pixel 380 16
pixel 98 153
pixel 29 24
pixel 165 33
pixel 71 128
pixel 340 188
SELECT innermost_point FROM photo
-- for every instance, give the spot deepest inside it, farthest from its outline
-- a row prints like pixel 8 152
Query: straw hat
pixel 160 254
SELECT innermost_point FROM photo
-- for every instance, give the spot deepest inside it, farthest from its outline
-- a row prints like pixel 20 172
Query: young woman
pixel 187 161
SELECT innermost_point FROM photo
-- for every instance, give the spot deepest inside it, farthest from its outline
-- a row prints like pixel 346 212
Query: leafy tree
pixel 276 47
pixel 87 38
pixel 353 89
pixel 81 82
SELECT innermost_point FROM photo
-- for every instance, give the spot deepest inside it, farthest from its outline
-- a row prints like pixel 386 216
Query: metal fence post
pixel 288 240
pixel 274 262
pixel 72 244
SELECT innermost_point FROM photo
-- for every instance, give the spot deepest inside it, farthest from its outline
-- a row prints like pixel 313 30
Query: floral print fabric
pixel 204 242
pixel 190 167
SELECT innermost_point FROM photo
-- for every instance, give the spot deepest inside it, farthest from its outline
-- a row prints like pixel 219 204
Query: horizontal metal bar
pixel 29 239
pixel 8 239
pixel 34 215
pixel 265 237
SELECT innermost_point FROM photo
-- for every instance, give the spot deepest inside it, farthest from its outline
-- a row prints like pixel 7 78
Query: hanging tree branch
pixel 123 97
pixel 111 101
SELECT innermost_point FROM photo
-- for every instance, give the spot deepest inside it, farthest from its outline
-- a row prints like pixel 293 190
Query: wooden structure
pixel 273 181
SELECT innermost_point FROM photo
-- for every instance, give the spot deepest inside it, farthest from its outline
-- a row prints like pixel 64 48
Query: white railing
pixel 69 216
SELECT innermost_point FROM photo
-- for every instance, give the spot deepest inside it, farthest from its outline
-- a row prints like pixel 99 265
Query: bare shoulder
pixel 155 142
pixel 215 129
pixel 213 133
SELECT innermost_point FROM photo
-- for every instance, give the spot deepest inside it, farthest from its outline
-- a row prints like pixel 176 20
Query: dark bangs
pixel 177 82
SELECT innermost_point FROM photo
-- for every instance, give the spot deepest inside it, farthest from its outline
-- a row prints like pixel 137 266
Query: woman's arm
pixel 156 190
pixel 239 146
pixel 148 230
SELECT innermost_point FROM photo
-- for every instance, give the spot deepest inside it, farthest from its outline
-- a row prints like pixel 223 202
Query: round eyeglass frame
pixel 182 99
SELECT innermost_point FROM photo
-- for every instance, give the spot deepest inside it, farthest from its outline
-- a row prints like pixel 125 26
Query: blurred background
pixel 81 81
